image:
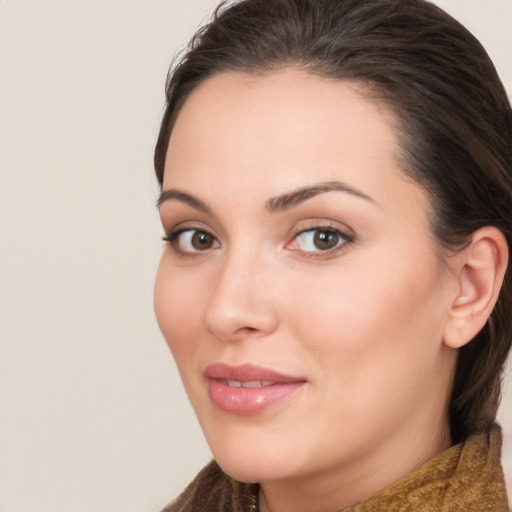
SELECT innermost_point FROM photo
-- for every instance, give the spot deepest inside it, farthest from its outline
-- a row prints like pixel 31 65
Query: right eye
pixel 191 241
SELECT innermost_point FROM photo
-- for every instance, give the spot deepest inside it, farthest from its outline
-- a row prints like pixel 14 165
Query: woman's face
pixel 301 294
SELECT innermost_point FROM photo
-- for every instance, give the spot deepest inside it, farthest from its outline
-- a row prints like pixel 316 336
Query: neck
pixel 337 488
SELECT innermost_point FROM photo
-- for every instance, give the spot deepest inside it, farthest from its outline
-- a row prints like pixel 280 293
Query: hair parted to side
pixel 455 125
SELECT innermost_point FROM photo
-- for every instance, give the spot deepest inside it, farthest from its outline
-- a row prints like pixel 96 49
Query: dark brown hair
pixel 455 125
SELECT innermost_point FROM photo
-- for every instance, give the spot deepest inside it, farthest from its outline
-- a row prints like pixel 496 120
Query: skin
pixel 362 323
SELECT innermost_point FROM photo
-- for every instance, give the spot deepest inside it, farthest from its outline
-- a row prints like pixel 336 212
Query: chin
pixel 254 459
pixel 254 470
pixel 243 472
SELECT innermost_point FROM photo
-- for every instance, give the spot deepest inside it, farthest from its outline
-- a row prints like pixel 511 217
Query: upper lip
pixel 247 373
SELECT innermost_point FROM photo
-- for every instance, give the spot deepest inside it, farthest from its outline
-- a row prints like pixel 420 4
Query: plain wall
pixel 92 413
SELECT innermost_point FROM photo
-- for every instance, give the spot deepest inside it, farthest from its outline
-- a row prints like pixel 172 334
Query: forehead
pixel 285 129
pixel 283 106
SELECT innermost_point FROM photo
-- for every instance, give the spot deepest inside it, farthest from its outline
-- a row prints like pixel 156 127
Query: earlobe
pixel 480 274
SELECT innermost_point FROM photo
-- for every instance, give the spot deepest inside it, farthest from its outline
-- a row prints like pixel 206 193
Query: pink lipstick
pixel 248 389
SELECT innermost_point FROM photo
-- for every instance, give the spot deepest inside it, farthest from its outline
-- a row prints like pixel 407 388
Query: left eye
pixel 319 240
pixel 192 240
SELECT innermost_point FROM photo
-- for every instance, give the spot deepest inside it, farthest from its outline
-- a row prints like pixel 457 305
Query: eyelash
pixel 173 239
pixel 343 239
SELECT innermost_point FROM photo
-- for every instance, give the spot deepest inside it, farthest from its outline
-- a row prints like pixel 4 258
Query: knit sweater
pixel 467 477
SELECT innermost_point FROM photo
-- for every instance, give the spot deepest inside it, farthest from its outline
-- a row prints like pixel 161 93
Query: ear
pixel 479 272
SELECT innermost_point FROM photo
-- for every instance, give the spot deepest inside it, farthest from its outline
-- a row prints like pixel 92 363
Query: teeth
pixel 252 384
pixel 249 384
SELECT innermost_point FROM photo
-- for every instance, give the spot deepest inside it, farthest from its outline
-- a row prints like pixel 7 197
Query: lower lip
pixel 245 401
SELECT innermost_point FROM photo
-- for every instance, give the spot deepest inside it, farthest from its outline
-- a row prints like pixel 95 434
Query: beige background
pixel 92 413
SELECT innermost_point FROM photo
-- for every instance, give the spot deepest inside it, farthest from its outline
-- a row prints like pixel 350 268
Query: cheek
pixel 361 313
pixel 373 338
pixel 178 310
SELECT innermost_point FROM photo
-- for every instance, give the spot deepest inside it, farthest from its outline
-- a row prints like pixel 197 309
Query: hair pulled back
pixel 455 125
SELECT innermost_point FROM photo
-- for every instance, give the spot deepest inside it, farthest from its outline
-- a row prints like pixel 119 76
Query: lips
pixel 248 389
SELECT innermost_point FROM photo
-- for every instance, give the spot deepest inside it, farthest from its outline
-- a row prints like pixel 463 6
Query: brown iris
pixel 325 240
pixel 202 241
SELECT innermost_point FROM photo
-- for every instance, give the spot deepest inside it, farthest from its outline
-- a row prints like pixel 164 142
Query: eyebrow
pixel 292 199
pixel 276 204
pixel 179 195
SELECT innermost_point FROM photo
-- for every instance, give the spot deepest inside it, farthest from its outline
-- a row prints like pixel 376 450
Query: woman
pixel 336 196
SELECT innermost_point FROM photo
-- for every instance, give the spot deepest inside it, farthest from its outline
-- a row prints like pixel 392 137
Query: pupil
pixel 325 239
pixel 202 241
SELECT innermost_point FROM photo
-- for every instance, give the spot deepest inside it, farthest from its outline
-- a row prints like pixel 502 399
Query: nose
pixel 242 303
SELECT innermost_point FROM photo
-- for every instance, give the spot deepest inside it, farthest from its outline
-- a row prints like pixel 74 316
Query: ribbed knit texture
pixel 465 478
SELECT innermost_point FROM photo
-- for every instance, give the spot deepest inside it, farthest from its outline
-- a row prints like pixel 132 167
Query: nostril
pixel 248 330
pixel 245 331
